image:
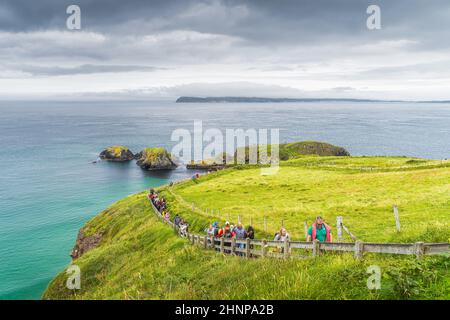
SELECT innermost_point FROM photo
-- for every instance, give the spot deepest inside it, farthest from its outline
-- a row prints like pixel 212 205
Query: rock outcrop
pixel 85 243
pixel 155 159
pixel 290 151
pixel 117 154
pixel 313 148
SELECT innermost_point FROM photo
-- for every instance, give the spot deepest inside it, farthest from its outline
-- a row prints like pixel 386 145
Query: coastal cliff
pixel 129 254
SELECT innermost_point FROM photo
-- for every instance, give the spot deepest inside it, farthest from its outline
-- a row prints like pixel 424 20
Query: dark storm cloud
pixel 261 21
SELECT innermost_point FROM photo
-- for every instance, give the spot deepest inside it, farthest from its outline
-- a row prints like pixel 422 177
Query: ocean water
pixel 49 187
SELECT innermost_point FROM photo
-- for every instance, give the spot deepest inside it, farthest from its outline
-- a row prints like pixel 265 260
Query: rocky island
pixel 117 154
pixel 155 159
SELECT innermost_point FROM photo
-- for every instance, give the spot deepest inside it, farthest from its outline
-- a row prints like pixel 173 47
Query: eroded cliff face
pixel 85 243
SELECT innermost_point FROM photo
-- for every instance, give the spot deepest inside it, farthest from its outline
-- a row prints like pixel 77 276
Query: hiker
pixel 320 231
pixel 227 233
pixel 167 216
pixel 241 234
pixel 183 228
pixel 176 220
pixel 281 235
pixel 216 228
pixel 210 231
pixel 250 233
pixel 162 204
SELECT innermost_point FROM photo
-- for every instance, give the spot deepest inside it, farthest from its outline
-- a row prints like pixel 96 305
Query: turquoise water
pixel 49 187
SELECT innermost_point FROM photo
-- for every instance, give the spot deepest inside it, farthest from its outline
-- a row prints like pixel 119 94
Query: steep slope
pixel 141 258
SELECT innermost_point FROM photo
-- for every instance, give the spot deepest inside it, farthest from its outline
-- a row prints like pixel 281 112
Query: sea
pixel 50 186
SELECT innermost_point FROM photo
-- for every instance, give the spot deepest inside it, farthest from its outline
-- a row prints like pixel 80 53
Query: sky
pixel 139 49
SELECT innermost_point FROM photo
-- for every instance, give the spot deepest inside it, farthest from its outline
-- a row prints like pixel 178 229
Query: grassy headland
pixel 141 258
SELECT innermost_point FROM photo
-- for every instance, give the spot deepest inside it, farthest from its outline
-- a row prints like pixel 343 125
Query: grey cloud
pixel 325 43
pixel 258 21
pixel 82 69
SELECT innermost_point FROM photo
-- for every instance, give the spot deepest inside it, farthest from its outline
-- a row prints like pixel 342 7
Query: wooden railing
pixel 293 249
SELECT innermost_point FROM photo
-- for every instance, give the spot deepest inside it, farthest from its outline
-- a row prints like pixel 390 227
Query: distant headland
pixel 226 99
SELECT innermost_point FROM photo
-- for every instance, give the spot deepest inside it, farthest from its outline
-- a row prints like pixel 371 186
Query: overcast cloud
pixel 157 49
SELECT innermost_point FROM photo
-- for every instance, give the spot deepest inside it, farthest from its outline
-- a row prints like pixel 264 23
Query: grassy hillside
pixel 140 258
pixel 361 189
pixel 294 150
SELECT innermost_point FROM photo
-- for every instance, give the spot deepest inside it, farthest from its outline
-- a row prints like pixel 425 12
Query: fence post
pixel 359 249
pixel 339 227
pixel 419 250
pixel 306 230
pixel 205 242
pixel 193 206
pixel 247 248
pixel 213 243
pixel 286 248
pixel 233 246
pixel 222 243
pixel 397 218
pixel 316 247
pixel 264 248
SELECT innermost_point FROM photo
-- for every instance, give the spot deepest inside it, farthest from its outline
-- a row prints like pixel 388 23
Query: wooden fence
pixel 297 249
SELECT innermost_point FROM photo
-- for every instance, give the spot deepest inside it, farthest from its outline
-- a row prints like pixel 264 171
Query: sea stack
pixel 155 159
pixel 117 154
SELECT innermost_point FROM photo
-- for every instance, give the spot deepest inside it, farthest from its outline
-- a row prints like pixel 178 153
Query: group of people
pixel 319 230
pixel 161 205
pixel 230 231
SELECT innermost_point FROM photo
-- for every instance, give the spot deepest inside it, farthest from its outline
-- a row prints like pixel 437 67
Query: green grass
pixel 151 154
pixel 362 190
pixel 141 258
pixel 116 151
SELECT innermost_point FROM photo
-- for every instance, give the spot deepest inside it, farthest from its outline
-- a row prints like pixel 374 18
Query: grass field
pixel 141 258
pixel 362 190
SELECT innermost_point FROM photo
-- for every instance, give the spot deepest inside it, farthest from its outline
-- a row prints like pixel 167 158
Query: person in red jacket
pixel 320 231
pixel 226 231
